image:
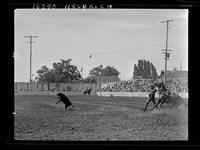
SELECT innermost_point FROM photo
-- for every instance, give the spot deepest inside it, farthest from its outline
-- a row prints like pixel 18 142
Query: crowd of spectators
pixel 127 86
pixel 175 85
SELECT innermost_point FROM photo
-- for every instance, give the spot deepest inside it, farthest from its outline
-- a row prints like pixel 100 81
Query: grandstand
pixel 177 81
pixel 176 74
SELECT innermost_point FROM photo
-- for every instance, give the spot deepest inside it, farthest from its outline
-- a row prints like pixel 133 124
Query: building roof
pixel 176 74
pixel 107 79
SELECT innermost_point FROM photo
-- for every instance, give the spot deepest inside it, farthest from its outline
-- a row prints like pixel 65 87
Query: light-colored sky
pixel 133 33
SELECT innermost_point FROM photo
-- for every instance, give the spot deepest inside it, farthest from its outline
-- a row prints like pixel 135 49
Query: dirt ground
pixel 97 118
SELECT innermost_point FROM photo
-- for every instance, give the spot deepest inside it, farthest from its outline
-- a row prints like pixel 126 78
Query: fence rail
pixel 24 86
pixel 106 94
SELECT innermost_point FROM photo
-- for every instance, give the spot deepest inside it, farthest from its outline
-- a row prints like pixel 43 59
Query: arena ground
pixel 96 118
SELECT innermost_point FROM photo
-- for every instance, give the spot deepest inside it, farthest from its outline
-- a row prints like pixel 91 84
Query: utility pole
pixel 31 37
pixel 166 51
pixel 181 67
pixel 81 79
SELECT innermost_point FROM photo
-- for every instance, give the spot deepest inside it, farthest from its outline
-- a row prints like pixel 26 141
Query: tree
pixel 154 73
pixel 135 72
pixel 144 69
pixel 96 71
pixel 45 75
pixel 62 72
pixel 65 72
pixel 43 72
pixel 107 71
pixel 140 68
pixel 110 71
pixel 148 69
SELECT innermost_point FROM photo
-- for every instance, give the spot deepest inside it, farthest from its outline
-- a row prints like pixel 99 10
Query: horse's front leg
pixel 154 102
pixel 147 103
pixel 161 103
pixel 155 105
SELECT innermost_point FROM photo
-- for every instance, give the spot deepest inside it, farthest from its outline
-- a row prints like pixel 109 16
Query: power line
pixel 120 51
pixel 31 37
pixel 166 51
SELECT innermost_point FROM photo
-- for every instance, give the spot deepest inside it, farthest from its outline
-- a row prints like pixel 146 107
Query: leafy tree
pixel 96 71
pixel 110 71
pixel 65 72
pixel 62 72
pixel 43 74
pixel 107 71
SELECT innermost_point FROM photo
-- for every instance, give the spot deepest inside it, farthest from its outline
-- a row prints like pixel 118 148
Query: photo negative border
pixel 192 6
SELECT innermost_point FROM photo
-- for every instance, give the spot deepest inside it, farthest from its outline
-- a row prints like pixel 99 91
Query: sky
pixel 114 37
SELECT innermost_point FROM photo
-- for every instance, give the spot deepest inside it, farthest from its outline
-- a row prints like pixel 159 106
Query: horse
pixel 163 93
pixel 170 98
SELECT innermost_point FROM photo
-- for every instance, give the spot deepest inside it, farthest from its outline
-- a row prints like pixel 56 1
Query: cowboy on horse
pixel 163 94
pixel 152 91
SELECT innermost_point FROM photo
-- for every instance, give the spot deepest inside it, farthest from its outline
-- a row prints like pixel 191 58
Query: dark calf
pixel 63 98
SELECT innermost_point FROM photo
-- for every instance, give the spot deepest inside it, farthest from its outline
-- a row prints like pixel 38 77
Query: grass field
pixel 96 118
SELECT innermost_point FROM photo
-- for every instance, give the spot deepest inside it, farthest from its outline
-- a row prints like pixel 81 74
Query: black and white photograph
pixel 101 74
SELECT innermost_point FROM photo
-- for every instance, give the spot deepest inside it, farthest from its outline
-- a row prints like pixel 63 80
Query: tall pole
pixel 81 80
pixel 166 51
pixel 181 67
pixel 31 41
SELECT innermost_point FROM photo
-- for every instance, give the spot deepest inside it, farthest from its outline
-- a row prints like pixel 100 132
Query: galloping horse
pixel 165 96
